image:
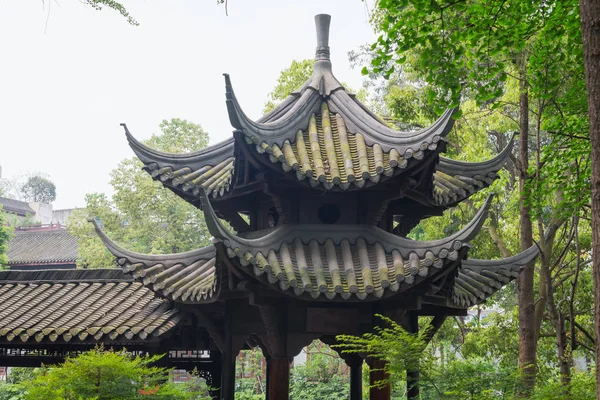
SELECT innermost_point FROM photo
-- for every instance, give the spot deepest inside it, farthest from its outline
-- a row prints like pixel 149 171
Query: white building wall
pixel 43 212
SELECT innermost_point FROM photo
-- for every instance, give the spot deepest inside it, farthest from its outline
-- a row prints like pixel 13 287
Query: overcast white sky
pixel 65 87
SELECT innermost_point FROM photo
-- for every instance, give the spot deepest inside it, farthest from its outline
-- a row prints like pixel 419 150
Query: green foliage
pixel 304 384
pixel 114 5
pixel 143 215
pixel 104 374
pixel 5 234
pixel 292 78
pixel 474 379
pixel 38 189
pixel 582 387
pixel 289 80
pixel 402 350
pixel 11 391
pixel 460 46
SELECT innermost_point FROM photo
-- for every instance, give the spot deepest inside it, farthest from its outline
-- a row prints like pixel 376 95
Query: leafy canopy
pixel 467 45
pixel 38 189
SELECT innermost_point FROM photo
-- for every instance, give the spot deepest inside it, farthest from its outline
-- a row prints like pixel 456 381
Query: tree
pixel 590 29
pixel 104 374
pixel 142 214
pixel 289 80
pixel 4 238
pixel 470 48
pixel 38 189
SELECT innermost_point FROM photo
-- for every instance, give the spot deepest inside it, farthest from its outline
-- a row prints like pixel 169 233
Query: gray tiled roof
pixel 16 206
pixel 80 305
pixel 42 247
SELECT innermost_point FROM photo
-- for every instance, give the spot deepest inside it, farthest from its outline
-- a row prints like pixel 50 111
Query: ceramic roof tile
pixel 326 153
pixel 454 181
pixel 479 279
pixel 210 168
pixel 78 306
pixel 42 247
pixel 344 260
pixel 16 207
pixel 190 277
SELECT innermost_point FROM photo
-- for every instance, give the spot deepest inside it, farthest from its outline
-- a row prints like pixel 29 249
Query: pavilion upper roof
pixel 321 134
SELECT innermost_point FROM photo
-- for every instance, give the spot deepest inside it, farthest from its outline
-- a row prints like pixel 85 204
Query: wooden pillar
pixel 412 384
pixel 278 379
pixel 228 360
pixel 278 363
pixel 355 363
pixel 411 324
pixel 377 374
pixel 267 374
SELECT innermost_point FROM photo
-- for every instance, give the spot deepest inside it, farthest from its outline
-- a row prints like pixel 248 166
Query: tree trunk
pixel 527 342
pixel 590 32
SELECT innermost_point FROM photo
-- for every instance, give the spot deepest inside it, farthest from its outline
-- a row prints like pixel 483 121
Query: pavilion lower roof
pixel 477 280
pixel 80 306
pixel 190 277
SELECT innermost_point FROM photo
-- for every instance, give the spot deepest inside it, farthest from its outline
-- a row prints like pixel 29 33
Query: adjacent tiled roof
pixel 42 247
pixel 80 305
pixel 210 168
pixel 344 260
pixel 455 180
pixel 16 207
pixel 189 277
pixel 479 279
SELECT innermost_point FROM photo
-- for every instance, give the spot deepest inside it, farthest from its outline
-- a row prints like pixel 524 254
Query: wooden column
pixel 278 363
pixel 278 385
pixel 228 360
pixel 411 324
pixel 355 363
pixel 378 374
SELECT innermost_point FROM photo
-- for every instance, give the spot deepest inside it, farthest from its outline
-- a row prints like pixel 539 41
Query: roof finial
pixel 322 22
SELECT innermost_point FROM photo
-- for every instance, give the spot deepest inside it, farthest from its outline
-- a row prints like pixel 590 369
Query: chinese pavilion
pixel 321 194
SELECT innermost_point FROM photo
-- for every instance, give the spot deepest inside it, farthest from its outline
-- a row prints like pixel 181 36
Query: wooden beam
pixel 211 327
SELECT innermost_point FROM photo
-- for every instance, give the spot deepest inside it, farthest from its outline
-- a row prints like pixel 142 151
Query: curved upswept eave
pixel 477 279
pixel 294 113
pixel 455 180
pixel 340 261
pixel 211 168
pixel 516 261
pixel 280 126
pixel 358 120
pixel 471 169
pixel 337 233
pixel 211 155
pixel 189 277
